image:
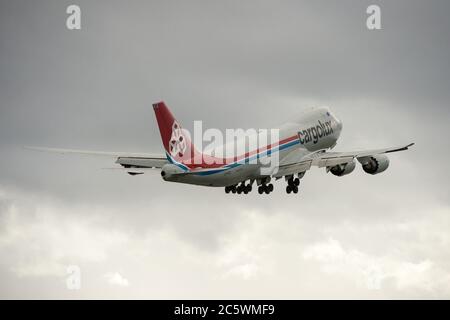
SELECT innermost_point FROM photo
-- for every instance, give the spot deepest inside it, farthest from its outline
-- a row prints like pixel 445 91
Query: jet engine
pixel 169 170
pixel 374 164
pixel 343 169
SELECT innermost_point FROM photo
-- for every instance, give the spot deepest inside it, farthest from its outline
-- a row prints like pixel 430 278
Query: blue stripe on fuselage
pixel 247 160
pixel 179 165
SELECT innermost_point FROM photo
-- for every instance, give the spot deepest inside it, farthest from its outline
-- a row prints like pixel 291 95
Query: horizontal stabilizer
pixel 115 154
pixel 134 171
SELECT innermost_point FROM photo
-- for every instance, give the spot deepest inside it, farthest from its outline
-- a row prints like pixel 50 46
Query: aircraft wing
pixel 322 159
pixel 126 159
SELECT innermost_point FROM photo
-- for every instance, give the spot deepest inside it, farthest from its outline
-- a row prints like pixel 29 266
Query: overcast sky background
pixel 232 64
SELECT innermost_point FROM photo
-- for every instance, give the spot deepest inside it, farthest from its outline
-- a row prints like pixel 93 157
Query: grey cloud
pixel 230 64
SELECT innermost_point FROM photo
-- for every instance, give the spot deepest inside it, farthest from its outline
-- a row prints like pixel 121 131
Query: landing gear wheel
pixel 248 187
pixel 239 190
pixel 297 182
pixel 227 189
pixel 260 189
pixel 233 190
pixel 295 189
pixel 245 190
pixel 270 186
pixel 288 189
pixel 267 189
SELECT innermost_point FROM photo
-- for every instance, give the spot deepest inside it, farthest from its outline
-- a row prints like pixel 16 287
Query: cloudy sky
pixel 232 64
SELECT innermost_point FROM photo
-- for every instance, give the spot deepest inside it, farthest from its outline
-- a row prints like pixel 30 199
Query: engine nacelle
pixel 374 164
pixel 343 169
pixel 168 171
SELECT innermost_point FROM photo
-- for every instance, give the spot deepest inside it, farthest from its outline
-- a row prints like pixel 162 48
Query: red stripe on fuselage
pixel 208 161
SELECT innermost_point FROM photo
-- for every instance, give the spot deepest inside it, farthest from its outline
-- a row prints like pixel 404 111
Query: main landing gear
pixel 264 187
pixel 292 185
pixel 241 188
pixel 267 188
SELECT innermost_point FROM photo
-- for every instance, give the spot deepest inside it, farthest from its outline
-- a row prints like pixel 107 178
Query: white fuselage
pixel 312 130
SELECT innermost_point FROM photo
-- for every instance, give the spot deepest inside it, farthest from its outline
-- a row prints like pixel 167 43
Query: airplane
pixel 304 142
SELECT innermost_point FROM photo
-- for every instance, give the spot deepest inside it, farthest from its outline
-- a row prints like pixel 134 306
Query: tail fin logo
pixel 177 144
